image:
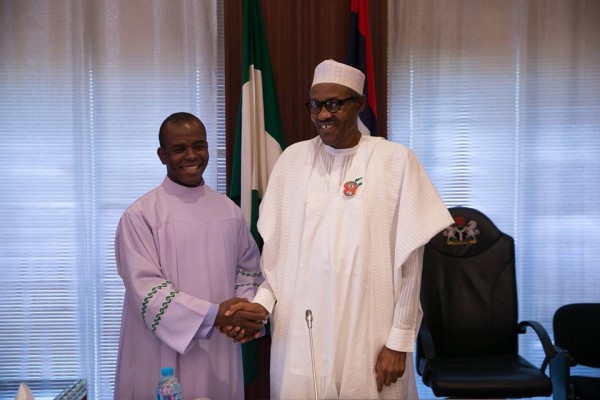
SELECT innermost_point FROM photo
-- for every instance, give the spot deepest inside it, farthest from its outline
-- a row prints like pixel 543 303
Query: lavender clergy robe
pixel 179 250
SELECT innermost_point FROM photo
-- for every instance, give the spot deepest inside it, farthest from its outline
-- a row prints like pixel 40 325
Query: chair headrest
pixel 471 233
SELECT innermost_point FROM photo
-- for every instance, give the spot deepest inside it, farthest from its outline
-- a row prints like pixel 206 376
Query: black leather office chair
pixel 577 340
pixel 468 342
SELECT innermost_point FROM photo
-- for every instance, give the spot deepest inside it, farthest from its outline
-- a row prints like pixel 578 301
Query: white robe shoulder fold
pixel 354 258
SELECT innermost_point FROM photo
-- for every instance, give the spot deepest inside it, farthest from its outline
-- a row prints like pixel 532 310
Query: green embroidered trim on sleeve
pixel 162 310
pixel 252 274
pixel 154 290
pixel 239 285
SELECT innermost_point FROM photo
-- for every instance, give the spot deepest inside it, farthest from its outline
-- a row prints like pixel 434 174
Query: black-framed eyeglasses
pixel 332 105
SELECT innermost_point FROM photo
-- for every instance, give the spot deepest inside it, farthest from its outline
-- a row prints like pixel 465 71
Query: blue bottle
pixel 168 386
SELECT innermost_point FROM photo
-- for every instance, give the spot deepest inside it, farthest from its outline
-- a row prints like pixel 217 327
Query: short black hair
pixel 176 118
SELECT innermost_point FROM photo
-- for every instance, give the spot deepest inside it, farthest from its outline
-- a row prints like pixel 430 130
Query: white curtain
pixel 500 100
pixel 84 86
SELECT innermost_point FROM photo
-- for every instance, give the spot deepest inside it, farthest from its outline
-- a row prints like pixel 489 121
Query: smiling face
pixel 184 151
pixel 340 129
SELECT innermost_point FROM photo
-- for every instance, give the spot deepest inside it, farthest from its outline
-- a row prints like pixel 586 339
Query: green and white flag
pixel 259 137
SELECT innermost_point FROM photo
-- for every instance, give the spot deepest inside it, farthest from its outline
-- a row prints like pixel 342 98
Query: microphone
pixel 309 318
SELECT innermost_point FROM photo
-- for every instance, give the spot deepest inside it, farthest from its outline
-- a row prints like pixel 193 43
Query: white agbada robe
pixel 324 258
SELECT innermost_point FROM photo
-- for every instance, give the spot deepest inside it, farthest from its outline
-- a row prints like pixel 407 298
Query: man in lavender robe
pixel 185 255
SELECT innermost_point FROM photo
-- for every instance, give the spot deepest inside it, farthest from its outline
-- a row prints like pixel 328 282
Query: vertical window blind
pixel 501 103
pixel 84 87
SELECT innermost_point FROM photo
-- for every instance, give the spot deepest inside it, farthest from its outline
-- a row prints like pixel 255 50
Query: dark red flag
pixel 360 55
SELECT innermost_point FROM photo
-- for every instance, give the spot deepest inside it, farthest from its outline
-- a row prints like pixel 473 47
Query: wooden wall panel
pixel 300 34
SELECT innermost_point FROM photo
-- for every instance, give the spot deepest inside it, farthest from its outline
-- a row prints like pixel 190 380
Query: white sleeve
pixel 406 321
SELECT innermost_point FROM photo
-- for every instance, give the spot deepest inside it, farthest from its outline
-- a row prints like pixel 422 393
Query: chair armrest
pixel 426 342
pixel 425 351
pixel 560 374
pixel 547 345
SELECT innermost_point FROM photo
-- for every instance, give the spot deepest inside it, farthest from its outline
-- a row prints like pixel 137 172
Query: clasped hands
pixel 241 320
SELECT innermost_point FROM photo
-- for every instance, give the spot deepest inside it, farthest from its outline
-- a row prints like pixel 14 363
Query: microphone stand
pixel 309 319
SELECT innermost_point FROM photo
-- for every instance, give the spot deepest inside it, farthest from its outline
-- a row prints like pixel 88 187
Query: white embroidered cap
pixel 330 71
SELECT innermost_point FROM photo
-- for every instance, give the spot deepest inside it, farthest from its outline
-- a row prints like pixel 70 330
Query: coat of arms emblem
pixel 461 232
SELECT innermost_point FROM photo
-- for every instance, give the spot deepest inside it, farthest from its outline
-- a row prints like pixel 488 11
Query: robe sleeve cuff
pixel 206 328
pixel 401 340
pixel 265 298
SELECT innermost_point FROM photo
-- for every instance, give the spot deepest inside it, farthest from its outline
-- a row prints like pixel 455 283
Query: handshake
pixel 241 320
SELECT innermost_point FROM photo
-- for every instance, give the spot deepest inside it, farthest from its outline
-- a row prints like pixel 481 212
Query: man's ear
pixel 162 155
pixel 362 103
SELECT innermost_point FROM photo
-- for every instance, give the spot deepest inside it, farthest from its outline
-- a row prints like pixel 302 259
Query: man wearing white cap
pixel 344 221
